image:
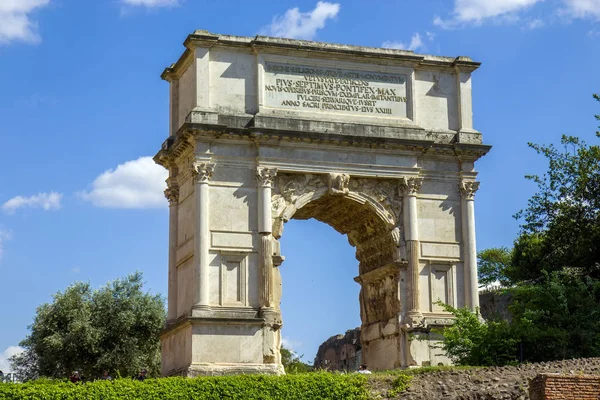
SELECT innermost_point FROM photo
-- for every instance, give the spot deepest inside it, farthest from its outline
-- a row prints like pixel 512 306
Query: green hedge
pixel 311 386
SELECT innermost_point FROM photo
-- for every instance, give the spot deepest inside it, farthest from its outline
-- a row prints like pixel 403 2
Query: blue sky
pixel 82 105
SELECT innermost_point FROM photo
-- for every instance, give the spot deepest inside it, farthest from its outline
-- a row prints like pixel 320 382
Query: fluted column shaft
pixel 265 177
pixel 409 188
pixel 467 190
pixel 172 194
pixel 202 173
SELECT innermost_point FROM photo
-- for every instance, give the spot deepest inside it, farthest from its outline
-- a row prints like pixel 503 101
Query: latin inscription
pixel 334 90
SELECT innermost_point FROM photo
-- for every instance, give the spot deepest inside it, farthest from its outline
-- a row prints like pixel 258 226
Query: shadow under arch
pixel 369 212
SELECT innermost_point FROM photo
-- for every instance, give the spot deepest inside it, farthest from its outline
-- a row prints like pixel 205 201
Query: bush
pixel 469 341
pixel 247 387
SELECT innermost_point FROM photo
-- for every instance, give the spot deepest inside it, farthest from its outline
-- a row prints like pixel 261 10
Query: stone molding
pixel 202 171
pixel 410 186
pixel 467 189
pixel 380 273
pixel 266 176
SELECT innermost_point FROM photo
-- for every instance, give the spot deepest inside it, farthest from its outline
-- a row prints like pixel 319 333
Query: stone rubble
pixel 497 383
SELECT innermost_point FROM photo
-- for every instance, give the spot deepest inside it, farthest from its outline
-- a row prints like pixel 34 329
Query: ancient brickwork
pixel 565 387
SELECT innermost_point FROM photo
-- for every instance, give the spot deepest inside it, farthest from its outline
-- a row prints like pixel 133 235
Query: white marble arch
pixel 377 143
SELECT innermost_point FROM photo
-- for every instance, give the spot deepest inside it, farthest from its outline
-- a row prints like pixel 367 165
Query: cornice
pixel 185 138
pixel 272 45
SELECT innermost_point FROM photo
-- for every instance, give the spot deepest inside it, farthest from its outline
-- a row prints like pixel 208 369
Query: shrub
pixel 247 387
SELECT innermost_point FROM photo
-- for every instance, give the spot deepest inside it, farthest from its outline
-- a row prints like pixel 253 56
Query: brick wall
pixel 565 387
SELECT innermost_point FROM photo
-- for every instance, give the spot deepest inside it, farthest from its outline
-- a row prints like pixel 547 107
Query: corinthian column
pixel 467 190
pixel 265 177
pixel 172 194
pixel 409 188
pixel 202 172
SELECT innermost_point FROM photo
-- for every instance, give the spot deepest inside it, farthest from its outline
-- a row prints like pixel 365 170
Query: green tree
pixel 113 328
pixel 492 265
pixel 292 363
pixel 558 317
pixel 561 224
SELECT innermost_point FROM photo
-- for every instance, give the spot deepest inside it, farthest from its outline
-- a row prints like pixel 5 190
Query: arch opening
pixel 368 213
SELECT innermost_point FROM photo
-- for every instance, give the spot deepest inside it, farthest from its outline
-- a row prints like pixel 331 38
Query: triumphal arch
pixel 377 143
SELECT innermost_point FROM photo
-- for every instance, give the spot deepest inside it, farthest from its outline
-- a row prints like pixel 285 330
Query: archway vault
pixel 368 211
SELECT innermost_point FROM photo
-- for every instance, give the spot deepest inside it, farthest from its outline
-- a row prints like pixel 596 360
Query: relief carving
pixel 291 186
pixel 384 192
pixel 338 184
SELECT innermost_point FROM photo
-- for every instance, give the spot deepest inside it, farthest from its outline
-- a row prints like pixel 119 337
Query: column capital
pixel 265 176
pixel 410 186
pixel 172 194
pixel 202 171
pixel 467 189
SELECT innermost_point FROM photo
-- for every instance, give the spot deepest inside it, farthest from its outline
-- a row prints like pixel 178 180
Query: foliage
pixel 247 387
pixel 469 341
pixel 561 226
pixel 114 328
pixel 292 363
pixel 492 264
pixel 558 317
pixel 399 385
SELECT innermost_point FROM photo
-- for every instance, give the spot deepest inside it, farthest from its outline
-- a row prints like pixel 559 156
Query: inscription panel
pixel 335 90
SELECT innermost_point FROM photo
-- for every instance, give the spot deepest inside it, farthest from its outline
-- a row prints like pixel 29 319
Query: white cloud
pixel 415 42
pixel 290 344
pixel 151 3
pixel 8 353
pixel 135 184
pixel 582 8
pixel 477 11
pixel 534 24
pixel 302 25
pixel 430 35
pixel 47 201
pixel 4 236
pixel 15 21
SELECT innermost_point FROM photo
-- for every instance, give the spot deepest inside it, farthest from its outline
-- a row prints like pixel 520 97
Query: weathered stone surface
pixel 340 352
pixel 374 142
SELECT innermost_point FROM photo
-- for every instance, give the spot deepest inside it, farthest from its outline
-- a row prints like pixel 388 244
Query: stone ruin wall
pixel 340 352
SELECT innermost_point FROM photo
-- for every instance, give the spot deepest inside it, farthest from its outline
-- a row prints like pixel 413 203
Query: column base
pixel 413 318
pixel 213 369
